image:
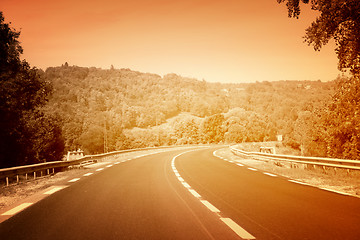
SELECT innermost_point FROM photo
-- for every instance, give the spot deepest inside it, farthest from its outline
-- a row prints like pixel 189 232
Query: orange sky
pixel 224 41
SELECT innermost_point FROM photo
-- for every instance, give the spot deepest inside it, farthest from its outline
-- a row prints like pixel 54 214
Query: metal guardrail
pixel 314 161
pixel 51 167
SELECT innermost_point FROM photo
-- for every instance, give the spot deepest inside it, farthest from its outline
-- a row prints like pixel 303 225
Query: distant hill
pixel 105 110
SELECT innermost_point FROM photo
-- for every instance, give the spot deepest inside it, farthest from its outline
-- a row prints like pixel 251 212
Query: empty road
pixel 185 194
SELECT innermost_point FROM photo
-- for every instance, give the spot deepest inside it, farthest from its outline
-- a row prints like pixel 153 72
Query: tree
pixel 23 92
pixel 342 120
pixel 338 20
pixel 212 128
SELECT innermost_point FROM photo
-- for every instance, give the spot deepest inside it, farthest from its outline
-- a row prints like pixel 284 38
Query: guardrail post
pixel 48 172
pixel 7 181
pixel 53 171
pixel 17 179
pixel 26 176
pixel 34 175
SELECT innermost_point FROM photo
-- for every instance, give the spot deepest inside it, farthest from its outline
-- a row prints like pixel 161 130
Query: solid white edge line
pixel 237 229
pixel 181 179
pixel 17 209
pixel 186 184
pixel 210 206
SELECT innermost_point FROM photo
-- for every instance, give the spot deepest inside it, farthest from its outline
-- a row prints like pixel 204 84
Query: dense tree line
pixel 70 107
pixel 337 126
pixel 28 134
pixel 106 110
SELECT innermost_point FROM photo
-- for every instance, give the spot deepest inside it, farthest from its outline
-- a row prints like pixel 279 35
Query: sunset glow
pixel 225 41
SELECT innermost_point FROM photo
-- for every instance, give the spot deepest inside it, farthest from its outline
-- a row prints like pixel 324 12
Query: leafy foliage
pixel 338 20
pixel 342 120
pixel 27 134
pixel 106 110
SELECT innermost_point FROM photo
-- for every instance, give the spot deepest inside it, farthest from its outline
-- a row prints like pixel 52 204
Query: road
pixel 185 194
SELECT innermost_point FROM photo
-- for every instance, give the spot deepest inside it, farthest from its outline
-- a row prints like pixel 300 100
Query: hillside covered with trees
pixel 107 110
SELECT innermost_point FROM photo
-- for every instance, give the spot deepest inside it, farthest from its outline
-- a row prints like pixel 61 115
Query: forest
pixel 105 110
pixel 65 108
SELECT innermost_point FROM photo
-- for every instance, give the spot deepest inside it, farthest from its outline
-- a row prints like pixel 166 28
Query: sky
pixel 217 41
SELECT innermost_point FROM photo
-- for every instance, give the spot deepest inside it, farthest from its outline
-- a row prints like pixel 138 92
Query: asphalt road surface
pixel 185 194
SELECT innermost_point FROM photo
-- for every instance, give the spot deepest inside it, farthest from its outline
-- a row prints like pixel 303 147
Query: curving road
pixel 185 194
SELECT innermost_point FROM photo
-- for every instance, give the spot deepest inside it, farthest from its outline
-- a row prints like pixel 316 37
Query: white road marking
pixel 177 174
pixel 270 174
pixel 193 192
pixel 87 174
pixel 252 169
pixel 237 229
pixel 109 165
pixel 16 209
pixel 239 164
pixel 229 222
pixel 116 163
pixel 53 190
pixel 100 169
pixel 335 191
pixel 294 181
pixel 210 206
pixel 74 180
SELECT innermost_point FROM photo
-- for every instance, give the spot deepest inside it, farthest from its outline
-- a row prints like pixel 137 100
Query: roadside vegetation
pixel 45 113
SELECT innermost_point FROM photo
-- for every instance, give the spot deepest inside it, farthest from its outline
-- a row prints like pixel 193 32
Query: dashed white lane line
pixel 116 163
pixel 239 164
pixel 88 174
pixel 109 165
pixel 53 190
pixel 252 169
pixel 74 180
pixel 16 209
pixel 270 174
pixel 338 192
pixel 186 184
pixel 99 169
pixel 181 179
pixel 237 229
pixel 294 181
pixel 210 206
pixel 229 222
pixel 193 192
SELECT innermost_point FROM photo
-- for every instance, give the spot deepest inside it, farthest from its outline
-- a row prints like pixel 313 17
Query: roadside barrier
pixel 34 171
pixel 310 161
